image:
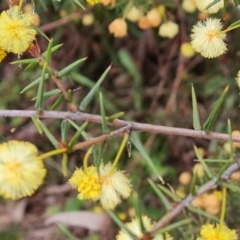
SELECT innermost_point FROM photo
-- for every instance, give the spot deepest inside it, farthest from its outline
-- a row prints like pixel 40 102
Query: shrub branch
pixel 135 126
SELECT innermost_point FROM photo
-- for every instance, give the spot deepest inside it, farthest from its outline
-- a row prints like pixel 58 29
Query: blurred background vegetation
pixel 150 80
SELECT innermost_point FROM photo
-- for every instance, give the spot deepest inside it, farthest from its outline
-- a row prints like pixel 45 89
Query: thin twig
pixel 135 126
pixel 101 138
pixel 187 201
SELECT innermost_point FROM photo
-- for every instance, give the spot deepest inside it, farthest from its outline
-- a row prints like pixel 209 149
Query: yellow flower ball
pixel 168 29
pixel 187 50
pixel 88 19
pixel 189 6
pixel 118 28
pixel 16 30
pixel 185 178
pixel 21 171
pixel 105 184
pixel 207 38
pixel 202 5
pixel 87 183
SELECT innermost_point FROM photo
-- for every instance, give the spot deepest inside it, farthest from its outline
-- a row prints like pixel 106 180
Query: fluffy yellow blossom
pixel 115 185
pixel 202 5
pixel 16 30
pixel 218 232
pixel 118 27
pixel 92 2
pixel 87 183
pixel 134 14
pixel 189 6
pixel 135 228
pixel 168 29
pixel 21 171
pixel 105 184
pixel 207 38
pixel 3 54
pixel 154 17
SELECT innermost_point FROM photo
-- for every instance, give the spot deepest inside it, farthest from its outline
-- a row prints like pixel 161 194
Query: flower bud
pixel 134 14
pixel 144 23
pixel 168 29
pixel 118 27
pixel 88 19
pixel 187 50
pixel 198 170
pixel 185 178
pixel 154 18
pixel 189 6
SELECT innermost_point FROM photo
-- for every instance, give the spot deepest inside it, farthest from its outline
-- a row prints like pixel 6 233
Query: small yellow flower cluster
pixel 16 31
pixel 218 232
pixel 21 170
pixel 135 228
pixel 210 202
pixel 105 184
pixel 151 19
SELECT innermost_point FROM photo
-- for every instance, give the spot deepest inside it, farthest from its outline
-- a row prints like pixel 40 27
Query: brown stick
pixel 135 126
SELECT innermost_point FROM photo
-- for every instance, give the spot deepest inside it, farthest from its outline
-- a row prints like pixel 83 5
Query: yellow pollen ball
pixel 16 30
pixel 21 170
pixel 87 183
